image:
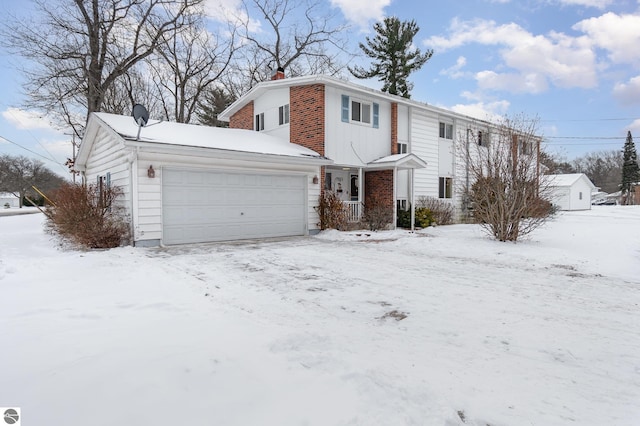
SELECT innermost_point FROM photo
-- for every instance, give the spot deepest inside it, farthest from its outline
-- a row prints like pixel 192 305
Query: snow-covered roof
pixel 264 86
pixel 568 179
pixel 192 135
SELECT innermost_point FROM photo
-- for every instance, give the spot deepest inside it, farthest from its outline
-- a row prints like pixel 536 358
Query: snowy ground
pixel 441 327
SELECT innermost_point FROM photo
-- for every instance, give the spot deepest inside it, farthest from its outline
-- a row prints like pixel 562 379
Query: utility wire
pixel 34 153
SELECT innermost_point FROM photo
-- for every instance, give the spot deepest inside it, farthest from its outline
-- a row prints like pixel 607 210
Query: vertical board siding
pixel 355 144
pixel 424 144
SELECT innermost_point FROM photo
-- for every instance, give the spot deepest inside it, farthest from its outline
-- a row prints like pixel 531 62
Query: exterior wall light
pixel 315 180
pixel 150 172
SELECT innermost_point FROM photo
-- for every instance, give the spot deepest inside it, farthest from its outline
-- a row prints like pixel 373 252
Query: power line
pixel 33 152
pixel 590 119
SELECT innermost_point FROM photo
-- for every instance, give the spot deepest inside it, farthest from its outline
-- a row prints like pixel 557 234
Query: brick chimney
pixel 278 74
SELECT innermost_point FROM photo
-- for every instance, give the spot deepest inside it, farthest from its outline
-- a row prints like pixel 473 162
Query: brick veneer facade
pixel 243 119
pixel 307 113
pixel 379 182
pixel 394 128
pixel 307 116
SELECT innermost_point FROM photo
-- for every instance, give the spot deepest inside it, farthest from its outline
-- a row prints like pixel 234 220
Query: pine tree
pixel 394 59
pixel 213 102
pixel 630 169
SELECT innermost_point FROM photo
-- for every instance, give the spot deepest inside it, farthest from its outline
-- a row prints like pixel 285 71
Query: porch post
pixel 395 196
pixel 360 191
pixel 413 199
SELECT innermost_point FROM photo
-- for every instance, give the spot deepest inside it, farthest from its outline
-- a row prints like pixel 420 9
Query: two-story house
pixel 381 143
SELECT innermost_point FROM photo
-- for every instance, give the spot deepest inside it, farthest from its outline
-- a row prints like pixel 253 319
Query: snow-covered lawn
pixel 439 327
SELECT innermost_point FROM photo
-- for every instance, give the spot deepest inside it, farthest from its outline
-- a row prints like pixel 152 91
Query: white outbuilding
pixel 571 191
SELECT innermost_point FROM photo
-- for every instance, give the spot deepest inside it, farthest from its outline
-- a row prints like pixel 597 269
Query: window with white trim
pixel 402 147
pixel 525 147
pixel 446 130
pixel 445 187
pixel 401 205
pixel 259 122
pixel 283 114
pixel 358 111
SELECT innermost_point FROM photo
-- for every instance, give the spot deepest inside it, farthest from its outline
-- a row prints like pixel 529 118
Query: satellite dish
pixel 140 114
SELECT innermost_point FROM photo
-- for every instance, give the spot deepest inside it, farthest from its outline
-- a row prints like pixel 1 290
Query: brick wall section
pixel 394 128
pixel 307 108
pixel 379 182
pixel 242 119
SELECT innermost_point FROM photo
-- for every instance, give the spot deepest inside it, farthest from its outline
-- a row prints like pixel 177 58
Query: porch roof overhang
pixel 397 161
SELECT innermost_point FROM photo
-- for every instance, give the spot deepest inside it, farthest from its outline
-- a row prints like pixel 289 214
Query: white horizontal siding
pixel 108 155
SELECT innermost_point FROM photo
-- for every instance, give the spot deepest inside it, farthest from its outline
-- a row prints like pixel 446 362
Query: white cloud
pixel 598 4
pixel 489 111
pixel 27 120
pixel 535 60
pixel 455 71
pixel 628 93
pixel 362 12
pixel 230 11
pixel 512 82
pixel 59 148
pixel 634 127
pixel 618 34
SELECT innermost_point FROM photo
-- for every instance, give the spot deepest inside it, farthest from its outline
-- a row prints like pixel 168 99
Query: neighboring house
pixel 188 184
pixel 396 147
pixel 8 200
pixel 571 191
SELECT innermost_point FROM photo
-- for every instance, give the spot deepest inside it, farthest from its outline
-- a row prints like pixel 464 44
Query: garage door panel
pixel 216 206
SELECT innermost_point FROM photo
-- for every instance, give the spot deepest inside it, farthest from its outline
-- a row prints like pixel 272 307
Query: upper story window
pixel 361 112
pixel 283 114
pixel 259 122
pixel 402 147
pixel 358 111
pixel 525 147
pixel 446 130
pixel 483 138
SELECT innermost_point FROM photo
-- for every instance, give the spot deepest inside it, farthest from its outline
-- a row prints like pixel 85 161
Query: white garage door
pixel 200 206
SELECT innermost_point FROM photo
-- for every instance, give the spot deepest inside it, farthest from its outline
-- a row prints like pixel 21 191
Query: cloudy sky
pixel 575 64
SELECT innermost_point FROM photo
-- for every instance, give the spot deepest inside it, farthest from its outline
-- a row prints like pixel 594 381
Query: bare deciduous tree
pixel 604 168
pixel 508 195
pixel 188 63
pixel 299 37
pixel 19 174
pixel 79 48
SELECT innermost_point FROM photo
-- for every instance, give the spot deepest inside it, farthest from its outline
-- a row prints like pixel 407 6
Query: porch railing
pixel 354 210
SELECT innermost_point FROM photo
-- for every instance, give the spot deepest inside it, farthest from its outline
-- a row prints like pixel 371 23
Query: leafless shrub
pixel 442 212
pixel 88 216
pixel 508 196
pixel 377 214
pixel 332 211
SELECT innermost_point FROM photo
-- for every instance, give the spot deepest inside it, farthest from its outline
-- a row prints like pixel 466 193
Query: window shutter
pixel 376 116
pixel 345 108
pixel 108 179
pixel 441 187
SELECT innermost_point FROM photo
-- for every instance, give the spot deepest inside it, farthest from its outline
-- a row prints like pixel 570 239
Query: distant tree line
pixel 606 169
pixel 19 175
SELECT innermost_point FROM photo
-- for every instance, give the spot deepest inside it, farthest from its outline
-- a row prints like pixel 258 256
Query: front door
pixel 354 187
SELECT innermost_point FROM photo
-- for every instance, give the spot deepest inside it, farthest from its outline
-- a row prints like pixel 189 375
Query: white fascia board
pixel 227 154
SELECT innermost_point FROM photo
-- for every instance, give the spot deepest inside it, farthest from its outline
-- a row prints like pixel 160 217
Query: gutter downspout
pixel 466 192
pixel 395 197
pixel 133 193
